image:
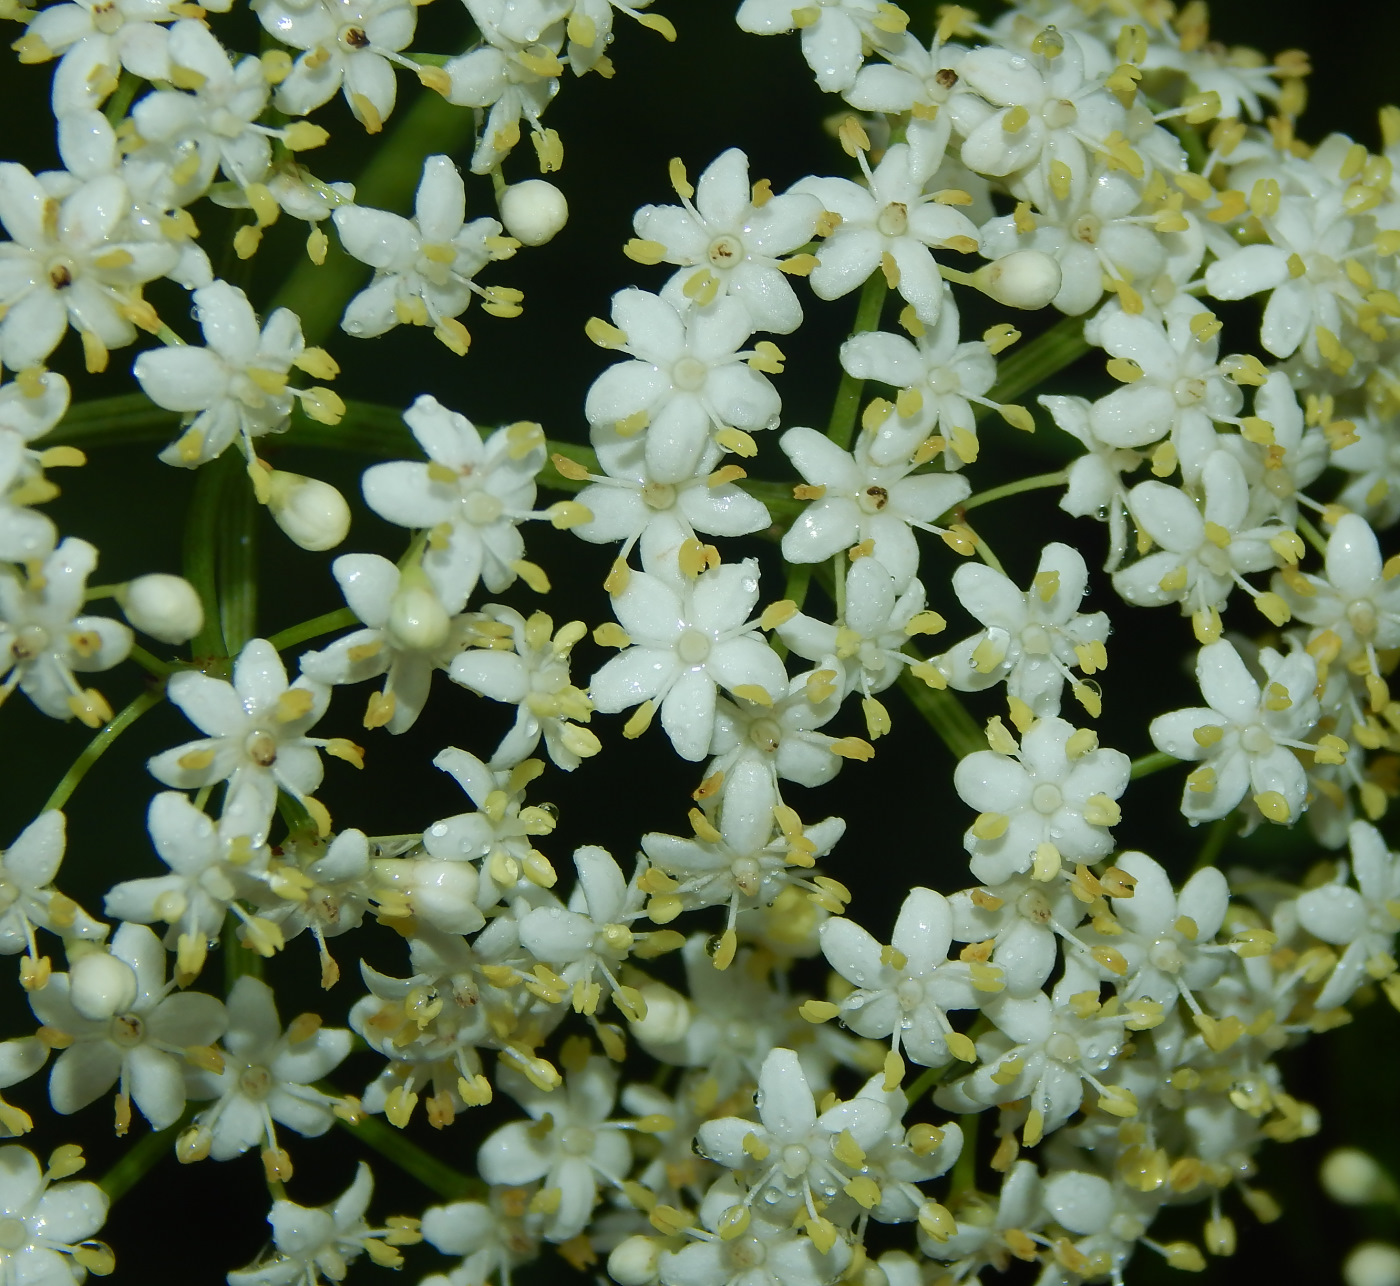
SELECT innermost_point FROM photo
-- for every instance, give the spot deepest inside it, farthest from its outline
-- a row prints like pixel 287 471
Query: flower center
pixel 354 38
pixel 1062 1048
pixel 893 220
pixel 1256 741
pixel 746 1252
pixel 910 993
pixel 1362 615
pixel 1034 906
pixel 1047 798
pixel 746 875
pixel 60 276
pixel 14 1234
pixel 256 1083
pixel 766 734
pixel 577 1141
pixel 873 499
pixel 127 1030
pixel 1165 955
pixel 481 508
pixel 693 646
pixel 1087 228
pixel 1036 640
pixel 29 643
pixel 689 374
pixel 1189 390
pixel 1059 113
pixel 106 17
pixel 262 748
pixel 658 495
pixel 796 1159
pixel 725 251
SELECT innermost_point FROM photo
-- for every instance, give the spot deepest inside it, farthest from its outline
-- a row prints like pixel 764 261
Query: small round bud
pixel 533 212
pixel 417 618
pixel 633 1262
pixel 163 606
pixel 1372 1263
pixel 668 1016
pixel 313 513
pixel 444 894
pixel 100 986
pixel 1027 279
pixel 1354 1178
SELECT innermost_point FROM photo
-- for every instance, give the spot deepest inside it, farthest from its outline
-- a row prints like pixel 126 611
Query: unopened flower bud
pixel 1354 1178
pixel 1027 279
pixel 1372 1263
pixel 533 212
pixel 163 606
pixel 100 986
pixel 668 1016
pixel 444 894
pixel 313 513
pixel 633 1262
pixel 417 618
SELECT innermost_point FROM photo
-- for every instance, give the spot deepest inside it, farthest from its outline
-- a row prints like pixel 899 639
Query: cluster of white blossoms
pixel 715 1075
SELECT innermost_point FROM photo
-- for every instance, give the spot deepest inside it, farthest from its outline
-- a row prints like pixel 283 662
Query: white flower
pixel 868 643
pixel 937 377
pixel 256 740
pixel 524 663
pixel 578 1147
pixel 890 225
pixel 857 500
pixel 903 991
pixel 514 80
pixel 424 266
pixel 323 1240
pixel 1096 477
pixel 725 237
pixel 793 1155
pixel 349 44
pixel 234 388
pixel 1045 801
pixel 408 635
pixel 28 410
pixel 492 1238
pixel 1022 918
pixel 1043 1050
pixel 266 1077
pixel 207 874
pixel 47 1225
pixel 766 1252
pixel 71 262
pixel 1245 737
pixel 128 1026
pixel 1205 545
pixel 685 644
pixel 1361 920
pixel 1032 640
pixel 1019 115
pixel 471 495
pixel 688 381
pixel 629 504
pixel 27 896
pixel 833 42
pixel 988 1230
pixel 44 637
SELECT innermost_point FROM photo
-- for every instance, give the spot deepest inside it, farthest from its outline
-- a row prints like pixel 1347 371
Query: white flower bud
pixel 533 212
pixel 417 618
pixel 444 894
pixel 633 1262
pixel 668 1016
pixel 163 606
pixel 1354 1178
pixel 313 513
pixel 1027 279
pixel 1372 1263
pixel 101 986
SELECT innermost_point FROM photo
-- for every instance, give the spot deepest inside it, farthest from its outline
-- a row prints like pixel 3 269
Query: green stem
pixel 131 417
pixel 429 125
pixel 141 1158
pixel 928 1078
pixel 437 1176
pixel 1034 363
pixel 844 409
pixel 200 561
pixel 1216 839
pixel 945 714
pixel 97 747
pixel 237 553
pixel 239 958
pixel 965 1168
pixel 1040 480
pixel 1146 765
pixel 316 626
pixel 1312 535
pixel 153 665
